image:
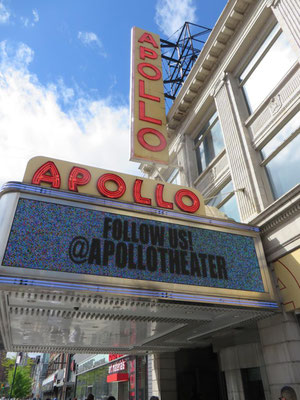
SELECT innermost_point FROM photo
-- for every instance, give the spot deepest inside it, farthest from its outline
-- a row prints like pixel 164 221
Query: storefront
pixel 48 387
pixel 123 377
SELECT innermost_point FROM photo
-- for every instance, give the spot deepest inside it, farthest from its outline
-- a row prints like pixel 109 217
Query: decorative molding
pixel 221 34
pixel 219 84
pixel 214 173
pixel 281 218
pixel 275 104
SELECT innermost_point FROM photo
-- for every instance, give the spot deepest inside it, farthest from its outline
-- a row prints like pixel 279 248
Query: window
pixel 225 201
pixel 270 63
pixel 281 157
pixel 174 177
pixel 209 143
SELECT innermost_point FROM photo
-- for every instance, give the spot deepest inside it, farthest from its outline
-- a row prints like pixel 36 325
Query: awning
pixel 118 377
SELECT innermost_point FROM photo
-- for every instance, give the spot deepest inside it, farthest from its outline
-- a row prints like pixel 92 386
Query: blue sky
pixel 65 73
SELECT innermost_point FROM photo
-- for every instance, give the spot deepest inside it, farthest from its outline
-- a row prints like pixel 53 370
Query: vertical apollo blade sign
pixel 148 115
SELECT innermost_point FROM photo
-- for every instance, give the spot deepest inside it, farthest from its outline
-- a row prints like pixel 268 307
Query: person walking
pixel 111 398
pixel 154 398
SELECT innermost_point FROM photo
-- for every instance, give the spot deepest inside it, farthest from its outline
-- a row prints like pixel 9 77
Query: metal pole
pixel 12 384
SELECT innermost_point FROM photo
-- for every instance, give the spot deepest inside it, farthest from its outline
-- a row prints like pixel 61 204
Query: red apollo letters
pixel 78 176
pixel 149 72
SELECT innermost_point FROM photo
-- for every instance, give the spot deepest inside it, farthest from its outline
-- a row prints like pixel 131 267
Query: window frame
pixel 216 193
pixel 262 55
pixel 202 134
pixel 246 59
pixel 253 47
pixel 274 153
pixel 173 175
pixel 227 197
pixel 268 137
pixel 206 131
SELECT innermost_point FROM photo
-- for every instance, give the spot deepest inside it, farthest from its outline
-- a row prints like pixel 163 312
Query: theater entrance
pixel 198 375
pixel 82 273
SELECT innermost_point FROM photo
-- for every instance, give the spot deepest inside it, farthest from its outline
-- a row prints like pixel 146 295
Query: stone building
pixel 234 135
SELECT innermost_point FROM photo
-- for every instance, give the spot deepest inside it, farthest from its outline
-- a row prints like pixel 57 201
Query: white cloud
pixel 16 57
pixel 33 123
pixel 4 14
pixel 27 22
pixel 172 14
pixel 36 16
pixel 88 38
pixel 91 39
pixel 66 94
pixel 24 54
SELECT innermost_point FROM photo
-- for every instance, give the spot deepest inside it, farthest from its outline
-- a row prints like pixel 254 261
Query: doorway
pixel 252 383
pixel 123 391
pixel 198 375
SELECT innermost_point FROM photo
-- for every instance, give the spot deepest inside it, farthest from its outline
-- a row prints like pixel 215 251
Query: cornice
pixel 218 85
pixel 208 59
pixel 280 219
pixel 280 212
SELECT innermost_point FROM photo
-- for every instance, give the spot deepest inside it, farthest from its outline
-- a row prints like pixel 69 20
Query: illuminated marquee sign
pixel 77 178
pixel 59 237
pixel 148 115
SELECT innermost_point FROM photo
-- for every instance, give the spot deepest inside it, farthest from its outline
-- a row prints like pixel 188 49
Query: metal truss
pixel 179 57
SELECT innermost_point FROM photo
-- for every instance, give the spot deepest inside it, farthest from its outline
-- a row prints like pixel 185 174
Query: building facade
pixel 53 375
pixel 234 135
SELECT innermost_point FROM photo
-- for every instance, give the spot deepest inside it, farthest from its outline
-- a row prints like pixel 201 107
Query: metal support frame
pixel 178 58
pixel 13 380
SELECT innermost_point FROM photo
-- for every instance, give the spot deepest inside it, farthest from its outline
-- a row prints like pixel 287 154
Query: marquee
pixel 75 238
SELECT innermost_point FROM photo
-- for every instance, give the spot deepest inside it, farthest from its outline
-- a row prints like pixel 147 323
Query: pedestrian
pixel 154 398
pixel 90 397
pixel 288 393
pixel 111 398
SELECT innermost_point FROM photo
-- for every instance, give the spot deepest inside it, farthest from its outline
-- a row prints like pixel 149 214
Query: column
pixel 280 341
pixel 235 358
pixel 162 376
pixel 243 160
pixel 234 384
pixel 178 153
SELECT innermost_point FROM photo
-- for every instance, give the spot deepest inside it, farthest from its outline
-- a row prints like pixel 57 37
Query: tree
pixel 22 386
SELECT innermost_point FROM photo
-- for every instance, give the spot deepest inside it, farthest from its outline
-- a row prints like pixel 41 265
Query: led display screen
pixel 56 237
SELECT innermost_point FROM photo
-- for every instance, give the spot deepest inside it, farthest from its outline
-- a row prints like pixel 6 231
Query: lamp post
pixel 18 361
